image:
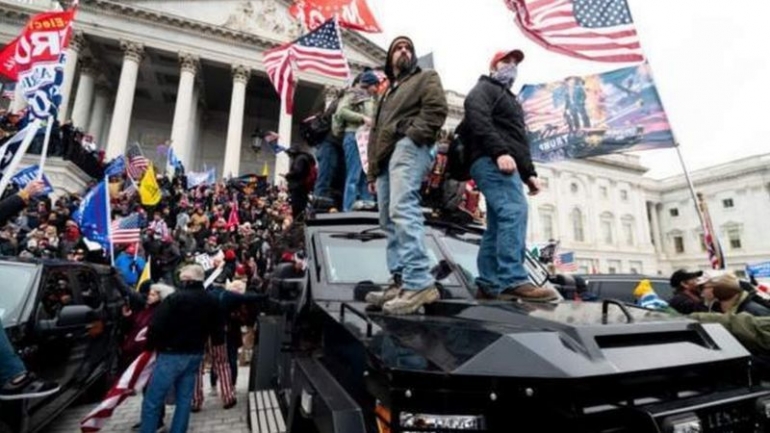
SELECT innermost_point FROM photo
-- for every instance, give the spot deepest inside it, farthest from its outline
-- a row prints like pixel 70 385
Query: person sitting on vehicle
pixel 15 381
pixel 687 292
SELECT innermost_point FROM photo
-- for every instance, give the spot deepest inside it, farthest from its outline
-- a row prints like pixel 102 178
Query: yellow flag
pixel 145 274
pixel 265 170
pixel 149 191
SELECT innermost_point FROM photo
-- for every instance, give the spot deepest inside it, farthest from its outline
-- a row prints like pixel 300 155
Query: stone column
pixel 81 111
pixel 656 233
pixel 192 136
pixel 282 159
pixel 98 115
pixel 77 43
pixel 184 100
pixel 124 100
pixel 235 124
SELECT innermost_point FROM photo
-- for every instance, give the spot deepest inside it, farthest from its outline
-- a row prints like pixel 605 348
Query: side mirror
pixel 75 315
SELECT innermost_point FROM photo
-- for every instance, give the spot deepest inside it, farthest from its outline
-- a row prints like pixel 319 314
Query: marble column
pixel 124 100
pixel 282 159
pixel 192 136
pixel 180 129
pixel 77 43
pixel 656 233
pixel 235 124
pixel 98 115
pixel 81 111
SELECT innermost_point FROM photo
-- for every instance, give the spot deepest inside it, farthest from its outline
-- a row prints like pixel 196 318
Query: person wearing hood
pixel 130 265
pixel 301 178
pixel 494 131
pixel 407 121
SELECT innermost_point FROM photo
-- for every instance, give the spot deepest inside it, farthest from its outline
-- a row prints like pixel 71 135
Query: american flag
pixel 126 230
pixel 600 30
pixel 137 163
pixel 714 249
pixel 319 51
pixel 565 262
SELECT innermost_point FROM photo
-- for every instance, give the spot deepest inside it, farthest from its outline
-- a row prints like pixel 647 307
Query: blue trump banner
pixel 579 117
pixel 23 177
pixel 759 270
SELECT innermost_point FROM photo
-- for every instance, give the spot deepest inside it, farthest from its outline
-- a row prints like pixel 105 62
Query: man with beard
pixel 494 131
pixel 407 121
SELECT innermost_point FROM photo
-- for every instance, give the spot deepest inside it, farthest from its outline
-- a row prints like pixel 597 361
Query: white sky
pixel 710 59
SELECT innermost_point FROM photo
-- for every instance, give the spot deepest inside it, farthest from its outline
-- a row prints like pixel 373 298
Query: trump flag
pixel 579 117
pixel 352 14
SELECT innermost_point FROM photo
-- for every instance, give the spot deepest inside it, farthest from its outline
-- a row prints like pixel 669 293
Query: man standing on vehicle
pixel 407 121
pixel 495 134
pixel 179 330
pixel 687 292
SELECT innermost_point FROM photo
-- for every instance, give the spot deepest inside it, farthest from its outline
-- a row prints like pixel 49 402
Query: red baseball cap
pixel 518 55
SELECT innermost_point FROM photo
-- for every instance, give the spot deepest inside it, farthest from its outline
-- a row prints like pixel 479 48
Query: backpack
pixel 317 127
pixel 458 160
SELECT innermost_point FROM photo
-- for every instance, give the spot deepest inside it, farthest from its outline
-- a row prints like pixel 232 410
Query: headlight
pixel 763 407
pixel 456 422
pixel 684 423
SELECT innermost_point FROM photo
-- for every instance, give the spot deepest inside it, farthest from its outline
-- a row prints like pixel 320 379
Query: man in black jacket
pixel 495 132
pixel 179 330
pixel 300 178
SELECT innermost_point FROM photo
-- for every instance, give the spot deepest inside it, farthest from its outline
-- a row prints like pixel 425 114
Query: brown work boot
pixel 530 293
pixel 409 301
pixel 379 298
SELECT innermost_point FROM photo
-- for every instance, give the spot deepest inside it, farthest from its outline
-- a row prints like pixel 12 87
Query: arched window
pixel 578 233
pixel 547 222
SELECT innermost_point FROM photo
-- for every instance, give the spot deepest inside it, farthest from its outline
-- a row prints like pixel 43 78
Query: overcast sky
pixel 711 62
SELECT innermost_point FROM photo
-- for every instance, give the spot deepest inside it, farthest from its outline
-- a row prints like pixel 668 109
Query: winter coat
pixel 752 331
pixel 130 268
pixel 353 109
pixel 494 126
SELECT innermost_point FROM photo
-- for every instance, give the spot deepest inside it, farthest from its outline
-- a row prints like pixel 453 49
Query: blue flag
pixel 92 216
pixel 23 177
pixel 116 167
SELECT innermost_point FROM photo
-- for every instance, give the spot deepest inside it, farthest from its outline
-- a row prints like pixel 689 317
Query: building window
pixel 678 244
pixel 628 231
pixel 728 203
pixel 735 239
pixel 585 266
pixel 546 224
pixel 702 240
pixel 624 195
pixel 577 225
pixel 606 228
pixel 573 187
pixel 740 273
pixel 613 267
pixel 635 267
pixel 674 212
pixel 603 191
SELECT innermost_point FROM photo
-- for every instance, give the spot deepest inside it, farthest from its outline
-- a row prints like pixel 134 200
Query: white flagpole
pixel 31 130
pixel 44 153
pixel 109 219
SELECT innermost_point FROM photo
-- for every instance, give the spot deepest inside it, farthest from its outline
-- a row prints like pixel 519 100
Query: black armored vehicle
pixel 325 363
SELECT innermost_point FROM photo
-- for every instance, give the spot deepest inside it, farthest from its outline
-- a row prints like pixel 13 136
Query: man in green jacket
pixel 407 121
pixel 355 110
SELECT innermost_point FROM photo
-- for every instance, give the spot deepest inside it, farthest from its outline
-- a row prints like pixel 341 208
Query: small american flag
pixel 137 163
pixel 126 230
pixel 319 51
pixel 600 30
pixel 565 262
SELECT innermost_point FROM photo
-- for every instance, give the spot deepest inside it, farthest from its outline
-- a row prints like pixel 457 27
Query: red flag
pixel 8 67
pixel 44 39
pixel 592 30
pixel 233 220
pixel 714 249
pixel 352 14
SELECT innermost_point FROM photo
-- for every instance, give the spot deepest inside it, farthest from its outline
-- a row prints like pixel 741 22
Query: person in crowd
pixel 687 292
pixel 407 121
pixel 179 330
pixel 329 154
pixel 130 265
pixel 724 289
pixel 356 109
pixel 301 178
pixel 501 164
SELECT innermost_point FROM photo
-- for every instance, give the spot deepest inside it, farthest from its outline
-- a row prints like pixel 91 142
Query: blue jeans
pixel 398 194
pixel 327 154
pixel 10 363
pixel 174 370
pixel 501 254
pixel 355 181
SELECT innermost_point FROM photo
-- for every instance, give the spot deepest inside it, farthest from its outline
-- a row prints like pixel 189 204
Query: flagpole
pixel 46 140
pixel 690 185
pixel 109 218
pixel 11 169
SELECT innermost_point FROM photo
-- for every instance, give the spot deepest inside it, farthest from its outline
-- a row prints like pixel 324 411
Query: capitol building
pixel 146 71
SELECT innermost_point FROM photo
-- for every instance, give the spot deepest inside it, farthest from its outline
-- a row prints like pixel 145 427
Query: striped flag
pixel 714 249
pixel 565 262
pixel 600 30
pixel 126 230
pixel 319 51
pixel 131 382
pixel 137 163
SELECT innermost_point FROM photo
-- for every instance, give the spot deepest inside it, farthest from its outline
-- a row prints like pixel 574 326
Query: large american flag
pixel 565 262
pixel 126 230
pixel 319 51
pixel 137 163
pixel 600 30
